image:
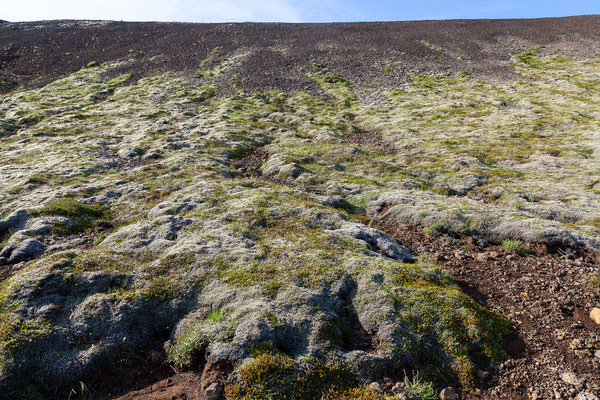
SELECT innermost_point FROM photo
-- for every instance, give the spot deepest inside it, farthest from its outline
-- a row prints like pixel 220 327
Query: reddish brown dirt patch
pixel 185 386
pixel 370 140
pixel 548 298
pixel 250 165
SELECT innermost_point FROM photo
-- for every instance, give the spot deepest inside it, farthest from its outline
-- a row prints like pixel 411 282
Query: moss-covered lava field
pixel 272 211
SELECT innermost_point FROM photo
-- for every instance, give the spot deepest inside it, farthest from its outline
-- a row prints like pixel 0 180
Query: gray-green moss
pixel 191 245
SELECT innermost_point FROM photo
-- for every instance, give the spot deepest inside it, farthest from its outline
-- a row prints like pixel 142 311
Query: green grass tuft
pixel 274 375
pixel 595 280
pixel 530 58
pixel 420 388
pixel 515 246
pixel 87 216
pixel 215 316
pixel 189 347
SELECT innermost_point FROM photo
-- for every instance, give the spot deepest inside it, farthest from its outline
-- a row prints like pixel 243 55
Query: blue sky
pixel 289 10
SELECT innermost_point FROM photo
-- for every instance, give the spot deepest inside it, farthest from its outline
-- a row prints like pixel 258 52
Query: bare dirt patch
pixel 546 294
pixel 370 140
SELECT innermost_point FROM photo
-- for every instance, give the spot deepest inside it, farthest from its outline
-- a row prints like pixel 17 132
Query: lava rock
pixel 586 396
pixel 376 387
pixel 27 250
pixel 213 392
pixel 571 379
pixel 448 394
pixel 595 315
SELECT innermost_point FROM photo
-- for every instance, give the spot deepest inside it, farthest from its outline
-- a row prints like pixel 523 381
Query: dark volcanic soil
pixel 34 53
pixel 547 296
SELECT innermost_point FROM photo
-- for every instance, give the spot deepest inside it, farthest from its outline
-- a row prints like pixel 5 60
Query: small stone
pixel 448 394
pixel 460 254
pixel 571 379
pixel 575 344
pixel 398 387
pixel 482 374
pixel 213 392
pixel 595 315
pixel 586 396
pixel 376 387
pixel 493 254
pixel 482 257
pixel 582 353
pixel 388 383
pixel 577 325
pixel 597 354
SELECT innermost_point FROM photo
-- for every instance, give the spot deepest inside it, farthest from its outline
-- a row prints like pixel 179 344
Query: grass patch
pixel 433 229
pixel 215 316
pixel 515 246
pixel 274 375
pixel 119 80
pixel 87 216
pixel 530 58
pixel 420 388
pixel 189 347
pixel 443 329
pixel 39 178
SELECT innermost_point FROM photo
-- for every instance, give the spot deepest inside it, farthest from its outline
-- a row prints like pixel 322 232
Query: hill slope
pixel 321 205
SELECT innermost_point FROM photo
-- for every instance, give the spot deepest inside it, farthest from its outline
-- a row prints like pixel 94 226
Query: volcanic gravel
pixel 35 53
pixel 546 294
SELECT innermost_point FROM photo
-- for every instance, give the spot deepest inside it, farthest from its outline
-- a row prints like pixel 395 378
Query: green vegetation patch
pixel 87 216
pixel 273 376
pixel 430 306
pixel 189 347
pixel 530 58
pixel 119 80
pixel 515 246
pixel 24 332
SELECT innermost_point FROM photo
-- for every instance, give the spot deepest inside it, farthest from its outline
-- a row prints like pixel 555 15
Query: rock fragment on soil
pixel 571 379
pixel 213 392
pixel 595 315
pixel 376 387
pixel 586 396
pixel 448 394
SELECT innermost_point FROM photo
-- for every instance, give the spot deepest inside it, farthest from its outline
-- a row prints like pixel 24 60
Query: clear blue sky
pixel 289 10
